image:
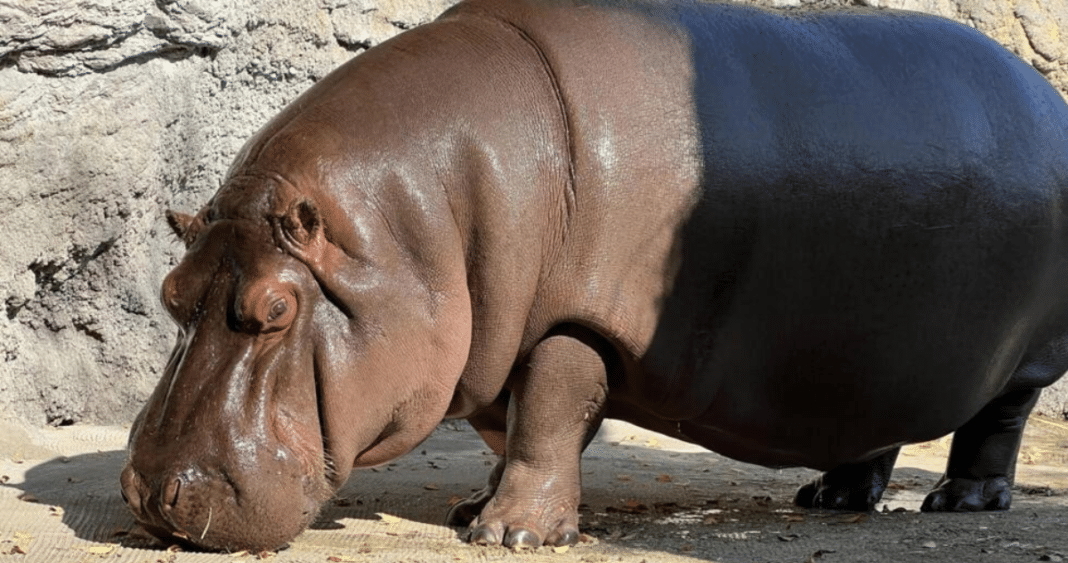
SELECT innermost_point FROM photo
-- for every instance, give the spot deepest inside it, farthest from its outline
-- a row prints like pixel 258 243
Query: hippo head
pixel 296 361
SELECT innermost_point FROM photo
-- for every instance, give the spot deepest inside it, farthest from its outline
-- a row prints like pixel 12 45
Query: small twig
pixel 206 525
pixel 1051 423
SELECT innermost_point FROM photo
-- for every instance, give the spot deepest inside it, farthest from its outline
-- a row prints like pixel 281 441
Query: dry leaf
pixel 340 559
pixel 100 549
pixel 561 548
pixel 652 443
pixel 27 497
pixel 17 550
pixel 55 510
pixel 242 553
pixel 854 519
pixel 664 478
pixel 388 518
pixel 629 507
pixel 430 487
pixel 819 553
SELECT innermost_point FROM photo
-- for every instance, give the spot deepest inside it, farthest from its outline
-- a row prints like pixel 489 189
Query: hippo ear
pixel 184 226
pixel 302 224
pixel 301 233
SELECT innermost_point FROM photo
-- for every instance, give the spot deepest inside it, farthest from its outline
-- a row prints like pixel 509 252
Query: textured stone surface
pixel 113 110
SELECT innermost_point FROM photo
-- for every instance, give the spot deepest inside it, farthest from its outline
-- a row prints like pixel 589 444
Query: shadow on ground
pixel 82 491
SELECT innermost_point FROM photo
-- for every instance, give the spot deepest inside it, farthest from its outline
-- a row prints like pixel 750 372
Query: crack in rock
pixel 1039 33
pixel 92 39
pixel 45 273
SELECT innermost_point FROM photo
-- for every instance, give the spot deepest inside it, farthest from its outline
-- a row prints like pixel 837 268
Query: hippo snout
pixel 208 510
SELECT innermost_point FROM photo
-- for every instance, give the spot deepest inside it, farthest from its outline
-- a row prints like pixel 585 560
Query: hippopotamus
pixel 797 238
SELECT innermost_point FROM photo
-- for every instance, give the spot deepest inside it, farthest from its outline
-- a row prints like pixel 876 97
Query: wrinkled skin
pixel 794 238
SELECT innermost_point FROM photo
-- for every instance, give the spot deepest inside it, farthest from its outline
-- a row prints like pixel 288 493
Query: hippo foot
pixel 526 527
pixel 856 486
pixel 507 514
pixel 969 495
pixel 464 512
pixel 818 494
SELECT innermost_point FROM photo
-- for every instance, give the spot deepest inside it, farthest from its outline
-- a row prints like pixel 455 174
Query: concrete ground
pixel 646 498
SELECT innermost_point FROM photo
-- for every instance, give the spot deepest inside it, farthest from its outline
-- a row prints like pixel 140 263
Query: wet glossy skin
pixel 270 451
pixel 249 431
pixel 795 238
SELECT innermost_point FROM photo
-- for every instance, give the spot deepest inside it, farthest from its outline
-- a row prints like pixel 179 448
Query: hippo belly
pixel 863 315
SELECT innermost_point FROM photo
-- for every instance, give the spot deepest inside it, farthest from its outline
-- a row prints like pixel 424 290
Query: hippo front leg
pixel 556 405
pixel 491 425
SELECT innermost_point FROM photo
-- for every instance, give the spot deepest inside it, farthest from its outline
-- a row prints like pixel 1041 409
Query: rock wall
pixel 113 110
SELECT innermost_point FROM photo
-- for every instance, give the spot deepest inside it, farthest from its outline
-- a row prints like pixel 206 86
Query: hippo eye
pixel 278 308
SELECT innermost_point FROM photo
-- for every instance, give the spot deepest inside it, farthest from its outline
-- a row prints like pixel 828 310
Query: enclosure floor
pixel 646 498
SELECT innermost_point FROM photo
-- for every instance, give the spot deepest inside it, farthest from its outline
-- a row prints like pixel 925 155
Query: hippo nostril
pixel 170 493
pixel 129 486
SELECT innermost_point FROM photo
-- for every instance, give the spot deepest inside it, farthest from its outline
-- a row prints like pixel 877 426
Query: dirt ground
pixel 647 499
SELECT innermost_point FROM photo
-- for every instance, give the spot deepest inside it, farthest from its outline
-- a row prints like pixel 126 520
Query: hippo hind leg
pixel 854 486
pixel 982 460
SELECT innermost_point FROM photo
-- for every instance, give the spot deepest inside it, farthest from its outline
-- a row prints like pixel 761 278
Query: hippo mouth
pixel 215 509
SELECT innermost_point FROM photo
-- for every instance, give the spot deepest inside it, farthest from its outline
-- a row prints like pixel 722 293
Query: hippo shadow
pixel 618 480
pixel 84 489
pixel 418 487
